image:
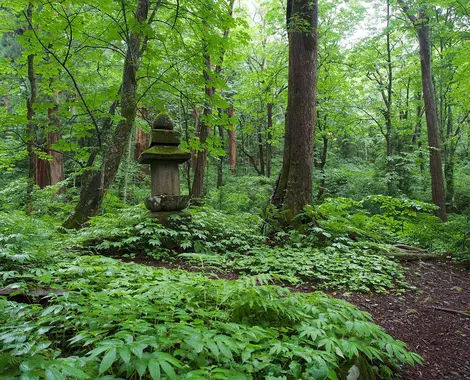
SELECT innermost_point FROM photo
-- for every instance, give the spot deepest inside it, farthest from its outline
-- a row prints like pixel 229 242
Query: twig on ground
pixel 452 311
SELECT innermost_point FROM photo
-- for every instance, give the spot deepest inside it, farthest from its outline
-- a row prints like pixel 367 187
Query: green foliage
pixel 456 237
pixel 124 320
pixel 206 230
pixel 379 219
pixel 353 180
pixel 246 194
pixel 324 256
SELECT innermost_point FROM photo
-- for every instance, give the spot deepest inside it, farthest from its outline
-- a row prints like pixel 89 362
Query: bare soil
pixel 441 337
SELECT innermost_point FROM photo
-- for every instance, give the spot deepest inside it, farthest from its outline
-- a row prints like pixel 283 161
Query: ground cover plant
pixel 341 244
pixel 117 320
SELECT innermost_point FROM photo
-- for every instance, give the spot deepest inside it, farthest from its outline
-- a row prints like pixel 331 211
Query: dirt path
pixel 442 338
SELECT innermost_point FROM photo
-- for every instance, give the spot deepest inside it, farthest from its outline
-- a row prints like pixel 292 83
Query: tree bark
pixel 269 148
pixel 232 144
pixel 97 184
pixel 324 152
pixel 31 125
pixel 294 188
pixel 388 112
pixel 261 148
pixel 220 164
pixel 201 159
pixel 141 136
pixel 421 24
pixel 57 163
pixel 197 190
pixel 435 160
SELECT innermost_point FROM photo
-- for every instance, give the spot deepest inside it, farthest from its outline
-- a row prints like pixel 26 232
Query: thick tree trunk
pixel 42 173
pixel 31 128
pixel 50 172
pixel 421 25
pixel 435 160
pixel 294 188
pixel 96 184
pixel 232 144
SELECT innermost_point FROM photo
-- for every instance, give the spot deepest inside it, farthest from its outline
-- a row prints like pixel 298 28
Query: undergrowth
pixel 117 320
pixel 340 244
pixel 121 320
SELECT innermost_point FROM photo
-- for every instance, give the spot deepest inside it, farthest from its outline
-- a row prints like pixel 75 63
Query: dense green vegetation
pixel 122 319
pixel 362 110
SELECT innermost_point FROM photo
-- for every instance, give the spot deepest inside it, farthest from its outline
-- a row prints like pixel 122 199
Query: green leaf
pixel 125 354
pixel 154 369
pixel 74 371
pixel 225 350
pixel 54 374
pixel 108 360
pixel 168 369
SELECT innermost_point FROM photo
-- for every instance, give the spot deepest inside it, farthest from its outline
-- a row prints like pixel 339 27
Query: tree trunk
pixel 197 190
pixel 31 126
pixel 141 136
pixel 294 188
pixel 232 144
pixel 435 160
pixel 220 164
pixel 421 24
pixel 260 148
pixel 269 148
pixel 201 159
pixel 50 172
pixel 96 184
pixel 57 163
pixel 452 141
pixel 388 112
pixel 42 170
pixel 126 168
pixel 324 152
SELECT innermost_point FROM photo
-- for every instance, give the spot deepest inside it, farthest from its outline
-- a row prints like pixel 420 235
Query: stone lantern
pixel 164 155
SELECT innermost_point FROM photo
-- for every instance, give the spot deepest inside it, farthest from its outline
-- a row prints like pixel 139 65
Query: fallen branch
pixel 405 247
pixel 403 255
pixel 452 311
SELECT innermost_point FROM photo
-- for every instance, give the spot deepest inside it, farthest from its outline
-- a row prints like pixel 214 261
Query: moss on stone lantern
pixel 164 155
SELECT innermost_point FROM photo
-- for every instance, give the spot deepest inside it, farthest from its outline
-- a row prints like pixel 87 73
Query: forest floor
pixel 426 316
pixel 418 318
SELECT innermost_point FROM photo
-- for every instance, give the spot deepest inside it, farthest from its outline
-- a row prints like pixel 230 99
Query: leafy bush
pixel 204 230
pixel 354 180
pixel 380 219
pixel 245 194
pixel 456 237
pixel 12 195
